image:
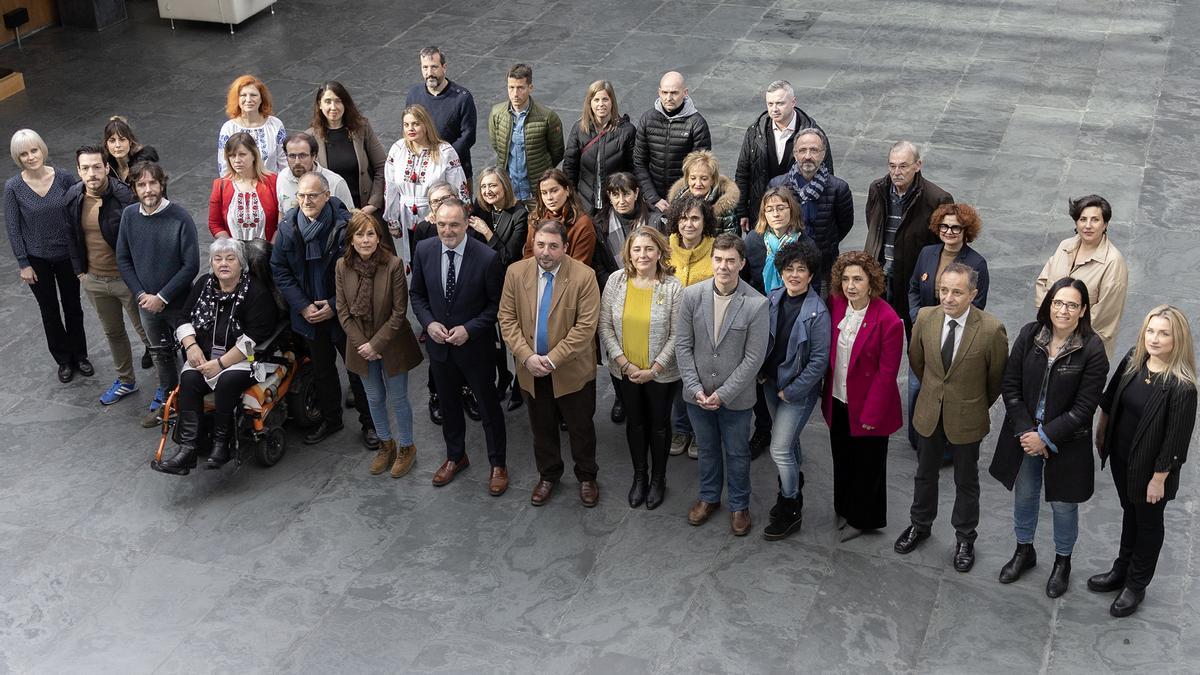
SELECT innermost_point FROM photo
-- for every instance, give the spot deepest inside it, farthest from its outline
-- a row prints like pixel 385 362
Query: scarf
pixel 772 279
pixel 813 189
pixel 208 305
pixel 314 232
pixel 619 228
pixel 361 306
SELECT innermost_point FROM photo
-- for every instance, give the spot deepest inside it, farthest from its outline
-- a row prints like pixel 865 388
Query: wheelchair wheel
pixel 303 407
pixel 271 448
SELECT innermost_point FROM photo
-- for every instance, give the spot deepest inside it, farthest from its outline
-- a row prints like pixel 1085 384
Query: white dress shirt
pixel 847 333
pixel 458 256
pixel 958 331
pixel 782 136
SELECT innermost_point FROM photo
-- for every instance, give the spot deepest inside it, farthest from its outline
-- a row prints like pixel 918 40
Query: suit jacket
pixel 962 396
pixel 736 355
pixel 473 306
pixel 872 395
pixel 391 335
pixel 571 329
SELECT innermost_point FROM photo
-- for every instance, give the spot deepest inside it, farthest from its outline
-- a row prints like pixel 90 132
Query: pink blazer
pixel 874 396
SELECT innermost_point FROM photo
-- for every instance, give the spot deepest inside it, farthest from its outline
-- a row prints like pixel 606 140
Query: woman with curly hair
pixel 248 106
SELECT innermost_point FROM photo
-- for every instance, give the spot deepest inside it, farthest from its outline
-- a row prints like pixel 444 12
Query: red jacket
pixel 222 195
pixel 874 396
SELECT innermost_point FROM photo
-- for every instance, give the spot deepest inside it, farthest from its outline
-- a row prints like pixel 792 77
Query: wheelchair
pixel 283 391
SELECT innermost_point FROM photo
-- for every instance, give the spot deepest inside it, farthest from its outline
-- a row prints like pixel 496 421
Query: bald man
pixel 665 135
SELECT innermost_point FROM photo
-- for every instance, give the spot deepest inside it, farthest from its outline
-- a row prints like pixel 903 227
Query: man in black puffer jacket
pixel 665 135
pixel 762 158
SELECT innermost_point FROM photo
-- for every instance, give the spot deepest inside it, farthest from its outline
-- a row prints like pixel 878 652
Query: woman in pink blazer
pixel 862 400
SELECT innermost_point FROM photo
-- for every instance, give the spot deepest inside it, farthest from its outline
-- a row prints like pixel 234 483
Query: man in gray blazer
pixel 720 343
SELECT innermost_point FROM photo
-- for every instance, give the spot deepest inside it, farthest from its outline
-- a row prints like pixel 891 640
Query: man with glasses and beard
pixel 301 152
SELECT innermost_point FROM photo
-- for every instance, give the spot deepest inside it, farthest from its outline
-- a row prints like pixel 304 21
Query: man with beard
pixel 301 150
pixel 158 257
pixel 826 204
pixel 451 105
pixel 666 134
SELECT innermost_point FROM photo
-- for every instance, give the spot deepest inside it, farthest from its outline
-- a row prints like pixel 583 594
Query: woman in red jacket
pixel 862 400
pixel 243 203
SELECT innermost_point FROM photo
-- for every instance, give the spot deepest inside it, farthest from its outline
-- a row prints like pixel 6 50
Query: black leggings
pixel 231 384
pixel 648 422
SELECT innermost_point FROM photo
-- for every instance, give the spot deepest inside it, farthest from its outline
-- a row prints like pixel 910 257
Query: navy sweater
pixel 453 112
pixel 37 226
pixel 158 254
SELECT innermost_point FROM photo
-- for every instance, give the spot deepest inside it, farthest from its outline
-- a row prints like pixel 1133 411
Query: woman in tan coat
pixel 372 306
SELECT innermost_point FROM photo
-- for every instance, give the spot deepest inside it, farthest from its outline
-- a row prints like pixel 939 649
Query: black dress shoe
pixel 908 540
pixel 1107 582
pixel 759 442
pixel 323 431
pixel 562 425
pixel 964 556
pixel 65 373
pixel 617 415
pixel 470 405
pixel 514 402
pixel 656 493
pixel 435 410
pixel 1024 558
pixel 85 368
pixel 1060 577
pixel 147 360
pixel 370 439
pixel 1127 602
pixel 349 402
pixel 639 489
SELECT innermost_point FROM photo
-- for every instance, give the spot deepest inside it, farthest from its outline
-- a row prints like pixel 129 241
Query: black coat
pixel 611 153
pixel 661 145
pixel 112 204
pixel 1075 384
pixel 1162 436
pixel 834 218
pixel 756 164
pixel 146 153
pixel 509 229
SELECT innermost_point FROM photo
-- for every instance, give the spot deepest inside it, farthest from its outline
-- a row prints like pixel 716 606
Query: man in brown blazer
pixel 548 313
pixel 959 353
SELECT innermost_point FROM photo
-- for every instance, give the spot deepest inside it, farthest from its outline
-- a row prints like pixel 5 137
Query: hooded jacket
pixel 663 140
pixel 723 197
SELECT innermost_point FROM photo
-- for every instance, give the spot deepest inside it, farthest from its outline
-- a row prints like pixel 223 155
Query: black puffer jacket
pixel 756 162
pixel 662 143
pixel 829 219
pixel 611 153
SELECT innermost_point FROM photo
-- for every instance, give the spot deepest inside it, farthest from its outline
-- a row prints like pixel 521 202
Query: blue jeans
pixel 680 424
pixel 1027 494
pixel 729 429
pixel 388 394
pixel 788 419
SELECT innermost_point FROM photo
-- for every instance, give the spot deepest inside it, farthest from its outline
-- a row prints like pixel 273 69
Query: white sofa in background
pixel 216 11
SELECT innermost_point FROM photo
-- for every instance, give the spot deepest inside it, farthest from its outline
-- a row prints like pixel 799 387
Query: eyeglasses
pixel 298 155
pixel 952 229
pixel 310 196
pixel 781 208
pixel 1064 304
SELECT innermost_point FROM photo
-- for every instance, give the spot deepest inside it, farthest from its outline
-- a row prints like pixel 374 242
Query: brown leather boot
pixel 383 457
pixel 405 458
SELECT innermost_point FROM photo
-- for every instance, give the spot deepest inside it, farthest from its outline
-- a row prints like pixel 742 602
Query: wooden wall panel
pixel 41 13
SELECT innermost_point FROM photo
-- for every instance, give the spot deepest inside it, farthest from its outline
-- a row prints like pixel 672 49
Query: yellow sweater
pixel 692 265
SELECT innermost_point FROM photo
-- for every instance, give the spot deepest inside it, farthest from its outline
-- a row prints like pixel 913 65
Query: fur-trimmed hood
pixel 724 196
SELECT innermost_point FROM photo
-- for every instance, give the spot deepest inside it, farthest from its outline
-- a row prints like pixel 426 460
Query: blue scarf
pixel 772 279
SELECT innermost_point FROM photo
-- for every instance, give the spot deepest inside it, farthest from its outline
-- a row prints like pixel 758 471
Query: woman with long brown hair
pixel 122 149
pixel 348 146
pixel 557 200
pixel 600 144
pixel 243 203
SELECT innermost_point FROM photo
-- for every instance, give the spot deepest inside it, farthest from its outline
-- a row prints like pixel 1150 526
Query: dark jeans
pixel 859 473
pixel 449 377
pixel 1142 530
pixel 648 422
pixel 160 331
pixel 762 412
pixel 227 395
pixel 577 410
pixel 63 323
pixel 324 351
pixel 930 452
pixel 724 455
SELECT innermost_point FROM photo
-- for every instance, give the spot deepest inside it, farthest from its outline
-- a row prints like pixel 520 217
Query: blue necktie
pixel 541 340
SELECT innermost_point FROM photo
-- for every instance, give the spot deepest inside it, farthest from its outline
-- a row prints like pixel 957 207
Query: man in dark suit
pixel 456 284
pixel 959 353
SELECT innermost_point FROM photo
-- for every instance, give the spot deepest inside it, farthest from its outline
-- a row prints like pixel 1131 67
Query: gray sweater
pixel 158 254
pixel 664 306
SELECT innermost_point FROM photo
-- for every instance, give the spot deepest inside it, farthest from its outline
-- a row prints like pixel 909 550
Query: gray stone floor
pixel 315 566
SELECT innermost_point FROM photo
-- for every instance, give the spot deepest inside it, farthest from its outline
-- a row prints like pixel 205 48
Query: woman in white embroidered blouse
pixel 248 105
pixel 415 161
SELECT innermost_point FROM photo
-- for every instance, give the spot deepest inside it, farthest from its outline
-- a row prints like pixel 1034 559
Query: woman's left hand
pixel 210 368
pixel 1156 489
pixel 1032 444
pixel 368 352
pixel 641 376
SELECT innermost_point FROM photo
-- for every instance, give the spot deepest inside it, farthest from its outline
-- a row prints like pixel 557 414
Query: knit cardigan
pixel 664 306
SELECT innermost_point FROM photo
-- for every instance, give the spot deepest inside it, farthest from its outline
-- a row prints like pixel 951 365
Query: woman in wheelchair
pixel 227 313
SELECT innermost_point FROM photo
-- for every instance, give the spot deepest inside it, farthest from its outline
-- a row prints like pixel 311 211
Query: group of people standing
pixel 723 307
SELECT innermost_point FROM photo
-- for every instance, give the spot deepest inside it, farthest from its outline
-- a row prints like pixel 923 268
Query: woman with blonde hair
pixel 779 223
pixel 600 145
pixel 243 203
pixel 248 106
pixel 417 160
pixel 1148 413
pixel 637 331
pixel 702 179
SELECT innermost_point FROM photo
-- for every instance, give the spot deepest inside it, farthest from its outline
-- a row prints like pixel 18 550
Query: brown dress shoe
pixel 700 512
pixel 499 482
pixel 405 458
pixel 589 493
pixel 448 470
pixel 739 522
pixel 384 456
pixel 541 492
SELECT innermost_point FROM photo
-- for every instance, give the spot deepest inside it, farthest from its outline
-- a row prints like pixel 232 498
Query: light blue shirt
pixel 458 256
pixel 518 170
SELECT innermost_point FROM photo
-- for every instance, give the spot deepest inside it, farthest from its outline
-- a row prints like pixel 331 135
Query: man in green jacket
pixel 527 137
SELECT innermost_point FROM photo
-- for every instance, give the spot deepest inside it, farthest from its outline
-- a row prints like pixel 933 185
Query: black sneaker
pixel 147 360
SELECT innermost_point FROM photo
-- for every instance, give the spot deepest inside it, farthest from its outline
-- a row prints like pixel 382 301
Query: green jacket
pixel 543 138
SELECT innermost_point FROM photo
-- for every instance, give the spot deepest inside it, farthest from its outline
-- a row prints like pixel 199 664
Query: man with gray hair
pixel 825 200
pixel 767 148
pixel 450 105
pixel 666 134
pixel 899 207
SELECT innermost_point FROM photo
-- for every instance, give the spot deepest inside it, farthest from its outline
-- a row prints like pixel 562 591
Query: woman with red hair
pixel 248 105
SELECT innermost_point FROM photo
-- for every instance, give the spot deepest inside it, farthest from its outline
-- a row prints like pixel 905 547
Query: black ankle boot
pixel 1107 582
pixel 187 426
pixel 778 508
pixel 1060 576
pixel 785 521
pixel 657 492
pixel 221 440
pixel 1127 602
pixel 637 491
pixel 1022 559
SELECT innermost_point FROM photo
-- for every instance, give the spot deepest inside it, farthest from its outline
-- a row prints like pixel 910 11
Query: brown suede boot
pixel 405 458
pixel 383 457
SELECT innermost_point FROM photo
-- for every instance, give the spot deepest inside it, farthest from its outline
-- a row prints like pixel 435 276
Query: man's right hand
pixel 318 311
pixel 438 332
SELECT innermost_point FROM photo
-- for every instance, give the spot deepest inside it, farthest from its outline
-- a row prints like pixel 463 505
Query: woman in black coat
pixel 599 145
pixel 1147 416
pixel 1052 384
pixel 122 149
